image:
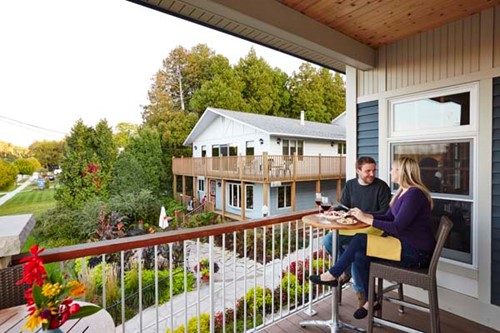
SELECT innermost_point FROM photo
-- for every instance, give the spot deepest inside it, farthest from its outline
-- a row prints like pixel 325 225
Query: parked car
pixel 52 177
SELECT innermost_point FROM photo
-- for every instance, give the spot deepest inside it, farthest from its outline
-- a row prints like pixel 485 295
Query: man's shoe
pixel 344 278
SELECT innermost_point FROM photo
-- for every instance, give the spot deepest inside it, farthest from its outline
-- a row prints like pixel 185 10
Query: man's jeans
pixel 342 245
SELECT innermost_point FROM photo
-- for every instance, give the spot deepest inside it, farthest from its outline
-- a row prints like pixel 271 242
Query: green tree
pixel 307 93
pixel 24 166
pixel 36 164
pixel 87 164
pixel 123 132
pixel 48 153
pixel 128 175
pixel 333 92
pixel 261 91
pixel 145 155
pixel 8 173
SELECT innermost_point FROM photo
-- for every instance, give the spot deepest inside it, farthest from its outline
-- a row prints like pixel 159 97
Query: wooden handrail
pixel 127 243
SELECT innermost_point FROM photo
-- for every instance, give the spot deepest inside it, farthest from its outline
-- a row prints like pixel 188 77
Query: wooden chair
pixel 424 278
pixel 11 293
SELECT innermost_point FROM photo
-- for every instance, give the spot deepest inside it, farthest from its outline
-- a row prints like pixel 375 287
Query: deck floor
pixel 450 323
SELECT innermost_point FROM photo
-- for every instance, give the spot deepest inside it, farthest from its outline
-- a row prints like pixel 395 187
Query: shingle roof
pixel 271 125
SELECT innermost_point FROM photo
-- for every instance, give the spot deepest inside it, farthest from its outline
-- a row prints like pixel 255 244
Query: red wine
pixel 318 202
pixel 326 207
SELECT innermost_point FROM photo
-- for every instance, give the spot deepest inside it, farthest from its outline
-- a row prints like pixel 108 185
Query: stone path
pixel 248 274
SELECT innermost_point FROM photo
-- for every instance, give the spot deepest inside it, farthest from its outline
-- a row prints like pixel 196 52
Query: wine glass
pixel 318 202
pixel 325 204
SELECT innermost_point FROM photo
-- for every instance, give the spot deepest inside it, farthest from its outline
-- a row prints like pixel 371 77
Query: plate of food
pixel 348 219
pixel 333 215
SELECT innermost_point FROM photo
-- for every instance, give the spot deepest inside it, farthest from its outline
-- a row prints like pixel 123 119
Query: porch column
pixel 292 189
pixel 265 194
pixel 174 185
pixel 243 200
pixel 183 187
pixel 223 184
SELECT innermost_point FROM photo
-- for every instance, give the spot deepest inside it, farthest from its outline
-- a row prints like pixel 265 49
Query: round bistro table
pixel 321 222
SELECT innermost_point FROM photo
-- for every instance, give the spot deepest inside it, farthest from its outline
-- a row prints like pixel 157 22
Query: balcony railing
pixel 154 282
pixel 263 167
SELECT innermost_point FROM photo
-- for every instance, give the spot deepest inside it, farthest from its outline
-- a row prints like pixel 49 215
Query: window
pixel 292 146
pixel 249 196
pixel 234 195
pixel 439 132
pixel 201 184
pixel 284 196
pixel 341 148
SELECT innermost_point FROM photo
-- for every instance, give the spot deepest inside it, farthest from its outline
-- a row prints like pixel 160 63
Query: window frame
pixel 284 187
pixel 462 133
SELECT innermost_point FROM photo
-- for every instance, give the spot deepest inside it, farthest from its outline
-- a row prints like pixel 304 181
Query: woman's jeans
pixel 355 254
pixel 343 242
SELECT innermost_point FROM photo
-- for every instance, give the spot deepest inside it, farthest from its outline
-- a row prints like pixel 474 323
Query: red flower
pixel 33 270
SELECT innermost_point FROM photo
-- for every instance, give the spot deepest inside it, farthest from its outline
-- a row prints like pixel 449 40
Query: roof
pixel 332 34
pixel 269 125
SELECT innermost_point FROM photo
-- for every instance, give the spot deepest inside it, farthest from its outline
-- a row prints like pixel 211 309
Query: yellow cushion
pixel 383 247
pixel 369 230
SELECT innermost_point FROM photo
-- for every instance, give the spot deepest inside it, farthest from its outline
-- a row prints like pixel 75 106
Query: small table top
pixel 13 319
pixel 322 222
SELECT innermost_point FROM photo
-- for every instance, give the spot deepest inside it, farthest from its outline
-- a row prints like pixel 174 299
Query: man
pixel 370 194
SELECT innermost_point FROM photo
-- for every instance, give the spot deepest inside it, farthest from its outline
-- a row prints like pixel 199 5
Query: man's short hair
pixel 364 160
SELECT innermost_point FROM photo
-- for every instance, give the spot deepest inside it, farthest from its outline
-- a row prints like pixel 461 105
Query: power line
pixel 30 126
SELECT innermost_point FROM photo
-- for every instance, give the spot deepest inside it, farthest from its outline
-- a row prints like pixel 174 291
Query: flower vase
pixel 52 330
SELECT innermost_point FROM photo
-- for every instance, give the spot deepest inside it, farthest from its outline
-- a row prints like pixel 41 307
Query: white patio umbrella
pixel 163 222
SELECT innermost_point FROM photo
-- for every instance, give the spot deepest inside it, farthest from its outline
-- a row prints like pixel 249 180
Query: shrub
pixel 258 300
pixel 57 227
pixel 319 266
pixel 291 281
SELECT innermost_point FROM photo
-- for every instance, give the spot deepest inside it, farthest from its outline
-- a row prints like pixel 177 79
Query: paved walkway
pixel 11 194
pixel 239 275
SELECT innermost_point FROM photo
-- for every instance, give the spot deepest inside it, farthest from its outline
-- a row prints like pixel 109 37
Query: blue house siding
pixel 367 129
pixel 495 200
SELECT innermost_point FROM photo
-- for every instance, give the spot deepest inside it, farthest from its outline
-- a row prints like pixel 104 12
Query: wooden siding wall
pixel 449 51
pixel 367 121
pixel 495 209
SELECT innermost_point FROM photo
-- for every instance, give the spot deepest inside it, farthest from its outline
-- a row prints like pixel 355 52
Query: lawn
pixel 29 201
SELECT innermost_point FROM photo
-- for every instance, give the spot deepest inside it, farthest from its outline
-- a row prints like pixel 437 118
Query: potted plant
pixel 204 269
pixel 50 299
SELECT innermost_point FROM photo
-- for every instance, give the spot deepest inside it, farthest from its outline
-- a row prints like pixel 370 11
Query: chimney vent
pixel 302 117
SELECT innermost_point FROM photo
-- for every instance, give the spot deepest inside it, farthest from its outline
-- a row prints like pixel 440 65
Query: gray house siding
pixel 495 200
pixel 367 131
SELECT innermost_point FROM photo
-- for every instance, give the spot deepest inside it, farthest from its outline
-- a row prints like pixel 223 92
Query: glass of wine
pixel 318 202
pixel 325 204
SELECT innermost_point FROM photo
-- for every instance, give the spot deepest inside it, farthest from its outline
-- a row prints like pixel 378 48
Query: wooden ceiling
pixel 380 22
pixel 330 33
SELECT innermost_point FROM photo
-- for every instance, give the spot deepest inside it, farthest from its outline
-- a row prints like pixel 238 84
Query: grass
pixel 29 201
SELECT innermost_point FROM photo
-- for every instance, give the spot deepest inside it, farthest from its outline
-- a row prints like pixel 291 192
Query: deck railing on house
pixel 154 282
pixel 262 168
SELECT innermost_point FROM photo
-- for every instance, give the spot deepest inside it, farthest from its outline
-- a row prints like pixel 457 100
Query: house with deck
pixel 248 165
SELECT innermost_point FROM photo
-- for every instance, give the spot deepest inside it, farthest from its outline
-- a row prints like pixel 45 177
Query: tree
pixel 128 175
pixel 307 93
pixel 48 153
pixel 333 92
pixel 8 173
pixel 87 164
pixel 261 90
pixel 145 150
pixel 36 164
pixel 24 166
pixel 123 132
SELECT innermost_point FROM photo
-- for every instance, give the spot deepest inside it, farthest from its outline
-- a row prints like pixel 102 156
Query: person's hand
pixel 361 216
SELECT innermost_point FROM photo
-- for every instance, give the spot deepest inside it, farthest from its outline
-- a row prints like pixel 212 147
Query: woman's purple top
pixel 409 219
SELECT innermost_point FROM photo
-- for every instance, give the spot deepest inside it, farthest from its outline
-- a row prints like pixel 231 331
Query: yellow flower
pixel 76 288
pixel 51 290
pixel 33 321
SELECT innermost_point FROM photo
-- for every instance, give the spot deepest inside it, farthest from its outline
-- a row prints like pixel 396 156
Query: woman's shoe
pixel 362 312
pixel 317 280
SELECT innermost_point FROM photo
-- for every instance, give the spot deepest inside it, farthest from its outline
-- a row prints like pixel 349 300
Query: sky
pixel 62 60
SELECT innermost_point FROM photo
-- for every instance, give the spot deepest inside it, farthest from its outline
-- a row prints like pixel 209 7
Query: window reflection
pixel 458 244
pixel 432 113
pixel 445 167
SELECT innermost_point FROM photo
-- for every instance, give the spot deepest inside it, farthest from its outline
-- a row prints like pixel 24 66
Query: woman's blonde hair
pixel 409 176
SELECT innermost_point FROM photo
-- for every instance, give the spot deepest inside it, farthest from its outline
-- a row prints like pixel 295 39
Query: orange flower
pixel 76 289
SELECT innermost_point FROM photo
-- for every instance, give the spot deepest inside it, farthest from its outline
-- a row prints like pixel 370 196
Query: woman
pixel 408 219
